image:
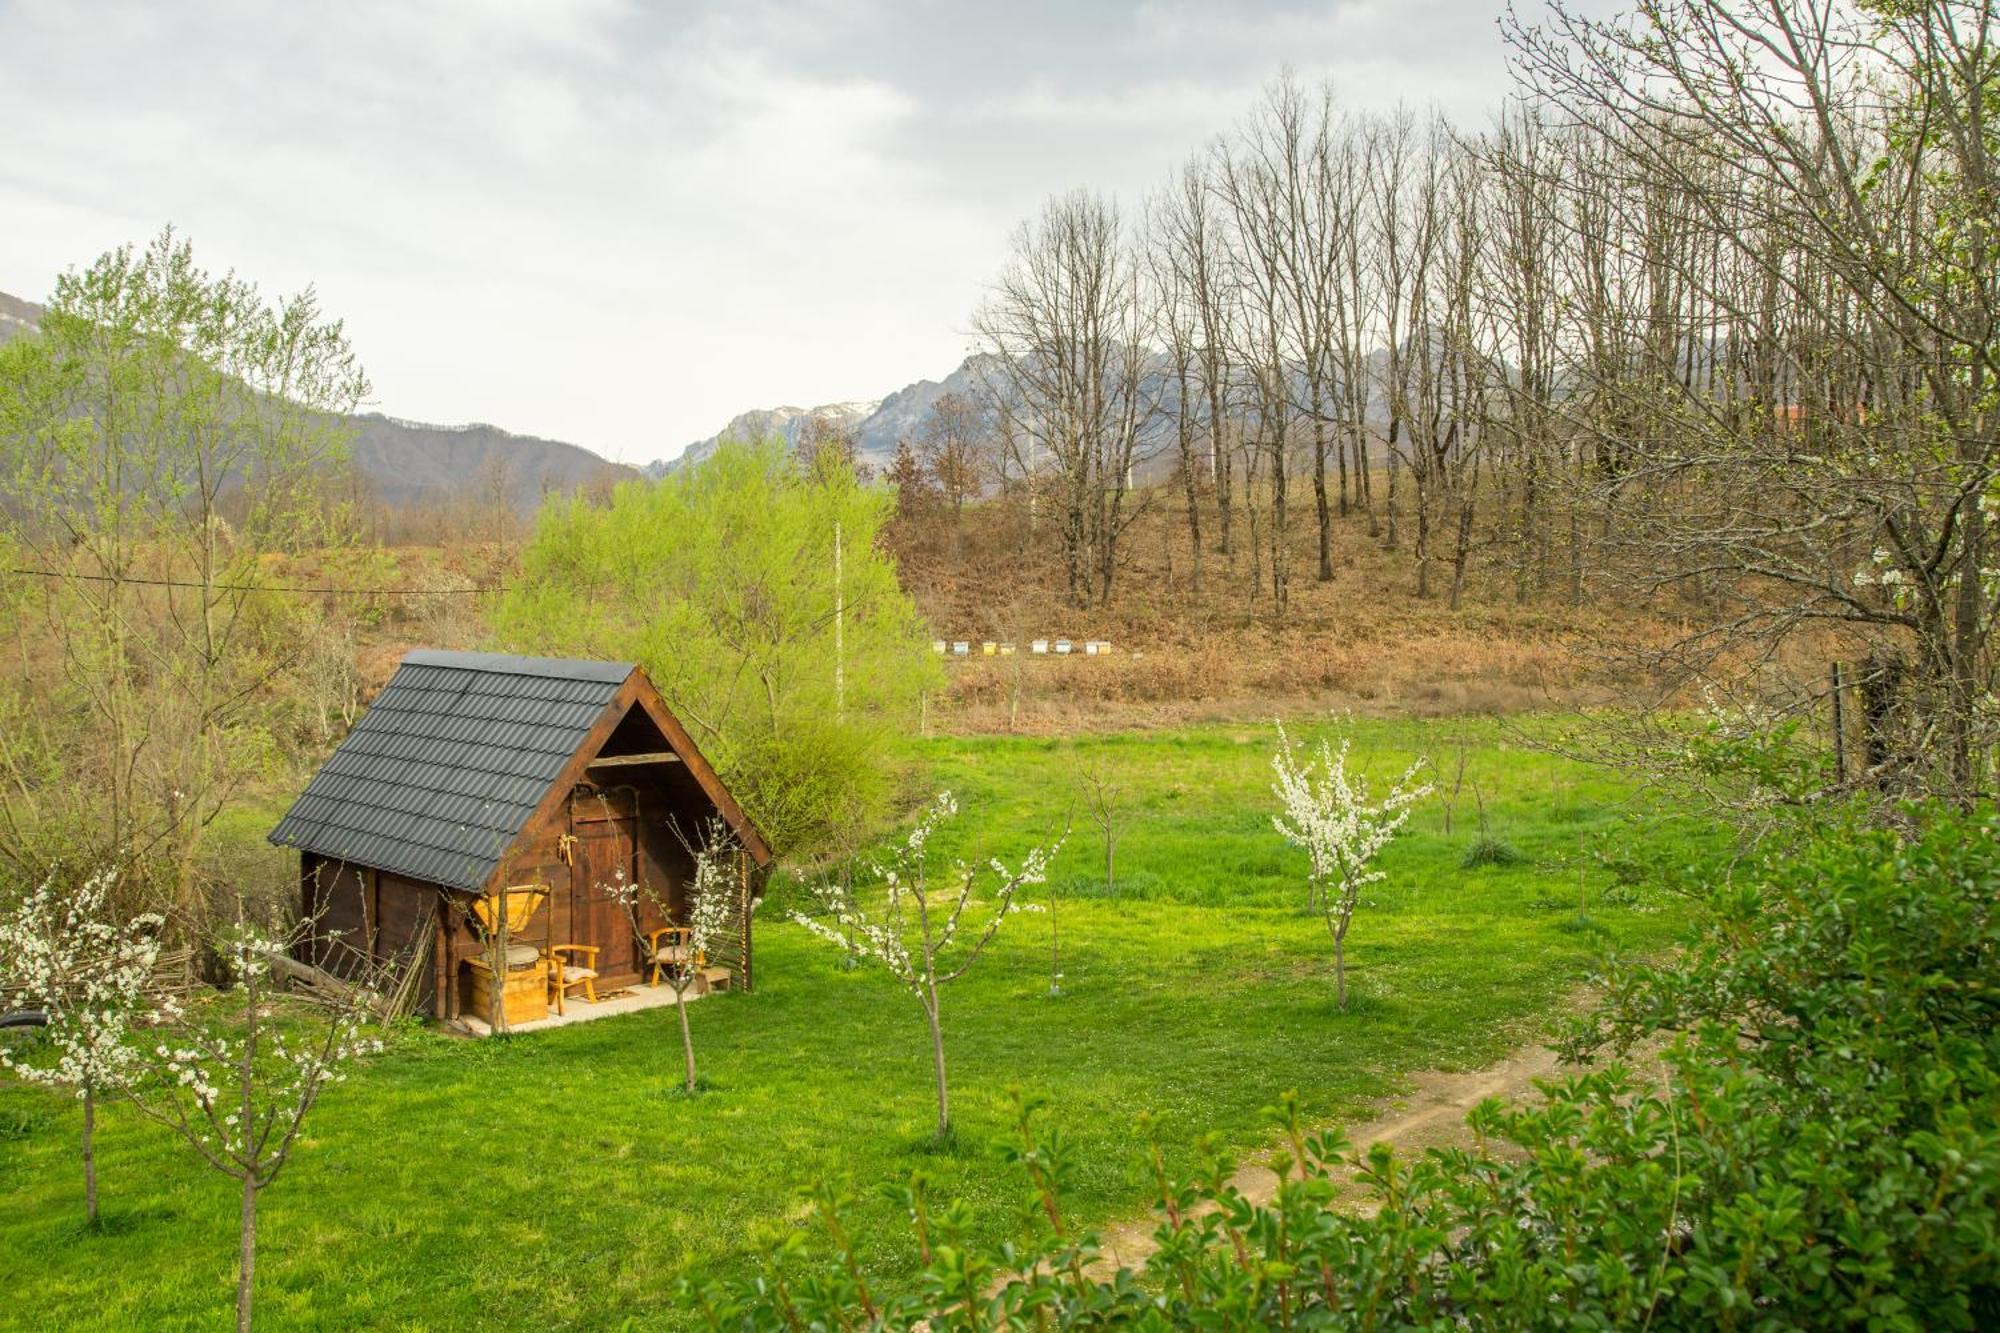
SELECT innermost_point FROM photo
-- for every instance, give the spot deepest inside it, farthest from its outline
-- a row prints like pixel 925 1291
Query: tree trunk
pixel 1055 947
pixel 1395 468
pixel 1320 509
pixel 1364 480
pixel 1967 638
pixel 246 1251
pixel 1281 578
pixel 1423 534
pixel 687 1037
pixel 937 1061
pixel 1339 930
pixel 1340 456
pixel 90 1154
pixel 1461 546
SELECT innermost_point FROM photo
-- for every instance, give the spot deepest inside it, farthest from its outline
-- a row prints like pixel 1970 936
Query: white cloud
pixel 613 222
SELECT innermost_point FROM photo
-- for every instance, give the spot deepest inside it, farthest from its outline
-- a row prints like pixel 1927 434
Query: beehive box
pixel 525 995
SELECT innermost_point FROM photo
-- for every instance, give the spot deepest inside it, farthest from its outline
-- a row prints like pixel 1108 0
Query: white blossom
pixel 69 956
pixel 1327 812
pixel 909 928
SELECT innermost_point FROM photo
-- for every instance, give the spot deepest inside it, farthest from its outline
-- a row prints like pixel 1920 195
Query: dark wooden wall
pixel 378 915
pixel 335 895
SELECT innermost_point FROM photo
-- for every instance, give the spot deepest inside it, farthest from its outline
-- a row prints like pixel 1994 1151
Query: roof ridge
pixel 559 668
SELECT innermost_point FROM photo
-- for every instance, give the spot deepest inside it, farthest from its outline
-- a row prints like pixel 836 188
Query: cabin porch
pixel 632 999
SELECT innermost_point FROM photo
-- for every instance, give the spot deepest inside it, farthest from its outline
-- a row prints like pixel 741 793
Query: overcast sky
pixel 622 223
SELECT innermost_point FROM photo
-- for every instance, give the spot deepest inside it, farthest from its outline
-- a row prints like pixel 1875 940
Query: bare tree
pixel 1104 800
pixel 1176 280
pixel 1391 149
pixel 1819 361
pixel 954 447
pixel 496 497
pixel 826 441
pixel 1256 187
pixel 911 931
pixel 678 950
pixel 916 497
pixel 1065 329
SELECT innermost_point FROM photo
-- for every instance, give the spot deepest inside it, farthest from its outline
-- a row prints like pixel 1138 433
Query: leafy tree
pixel 752 590
pixel 163 434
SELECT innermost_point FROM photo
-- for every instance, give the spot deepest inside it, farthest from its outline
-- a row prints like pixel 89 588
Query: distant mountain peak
pixel 879 424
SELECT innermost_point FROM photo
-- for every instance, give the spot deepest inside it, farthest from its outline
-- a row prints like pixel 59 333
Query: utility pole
pixel 839 632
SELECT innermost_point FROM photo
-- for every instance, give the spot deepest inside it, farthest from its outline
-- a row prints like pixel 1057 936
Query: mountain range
pixel 410 463
pixel 417 463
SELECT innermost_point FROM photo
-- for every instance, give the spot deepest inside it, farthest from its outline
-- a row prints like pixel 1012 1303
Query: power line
pixel 259 587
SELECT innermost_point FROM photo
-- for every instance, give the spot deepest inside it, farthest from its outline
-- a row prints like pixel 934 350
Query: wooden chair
pixel 563 977
pixel 667 950
pixel 518 904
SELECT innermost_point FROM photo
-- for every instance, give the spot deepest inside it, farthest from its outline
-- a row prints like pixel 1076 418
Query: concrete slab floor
pixel 632 1000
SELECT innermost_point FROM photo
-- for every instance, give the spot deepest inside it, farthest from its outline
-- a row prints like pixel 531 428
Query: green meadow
pixel 558 1179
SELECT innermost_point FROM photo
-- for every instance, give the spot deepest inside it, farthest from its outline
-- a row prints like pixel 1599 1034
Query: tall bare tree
pixel 1066 329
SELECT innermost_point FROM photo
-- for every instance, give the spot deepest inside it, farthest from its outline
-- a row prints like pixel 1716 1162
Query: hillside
pixel 409 463
pixel 414 463
pixel 17 316
pixel 1364 642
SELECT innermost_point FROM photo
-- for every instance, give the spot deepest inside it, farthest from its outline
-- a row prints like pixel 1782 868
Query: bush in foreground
pixel 1817 1149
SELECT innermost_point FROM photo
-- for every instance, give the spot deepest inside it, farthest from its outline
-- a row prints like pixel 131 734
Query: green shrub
pixel 1821 1149
pixel 1490 851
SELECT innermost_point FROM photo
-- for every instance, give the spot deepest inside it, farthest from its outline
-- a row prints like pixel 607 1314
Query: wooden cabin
pixel 473 774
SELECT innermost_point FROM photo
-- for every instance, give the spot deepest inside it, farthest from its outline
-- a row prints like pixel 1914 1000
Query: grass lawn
pixel 551 1180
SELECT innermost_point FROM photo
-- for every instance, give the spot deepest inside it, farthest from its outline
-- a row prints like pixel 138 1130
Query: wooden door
pixel 605 826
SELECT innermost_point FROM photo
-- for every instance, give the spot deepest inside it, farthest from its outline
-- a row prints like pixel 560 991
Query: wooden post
pixel 839 632
pixel 743 906
pixel 308 947
pixel 372 899
pixel 1839 733
pixel 439 969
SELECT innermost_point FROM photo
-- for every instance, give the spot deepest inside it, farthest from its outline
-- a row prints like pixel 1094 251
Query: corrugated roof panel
pixel 440 774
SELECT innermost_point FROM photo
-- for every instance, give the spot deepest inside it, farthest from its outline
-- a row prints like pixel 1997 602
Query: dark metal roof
pixel 438 777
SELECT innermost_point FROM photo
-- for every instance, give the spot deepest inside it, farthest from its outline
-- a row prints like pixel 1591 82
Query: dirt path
pixel 1431 1114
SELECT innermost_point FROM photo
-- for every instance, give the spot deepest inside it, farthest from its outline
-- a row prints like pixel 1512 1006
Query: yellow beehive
pixel 525 995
